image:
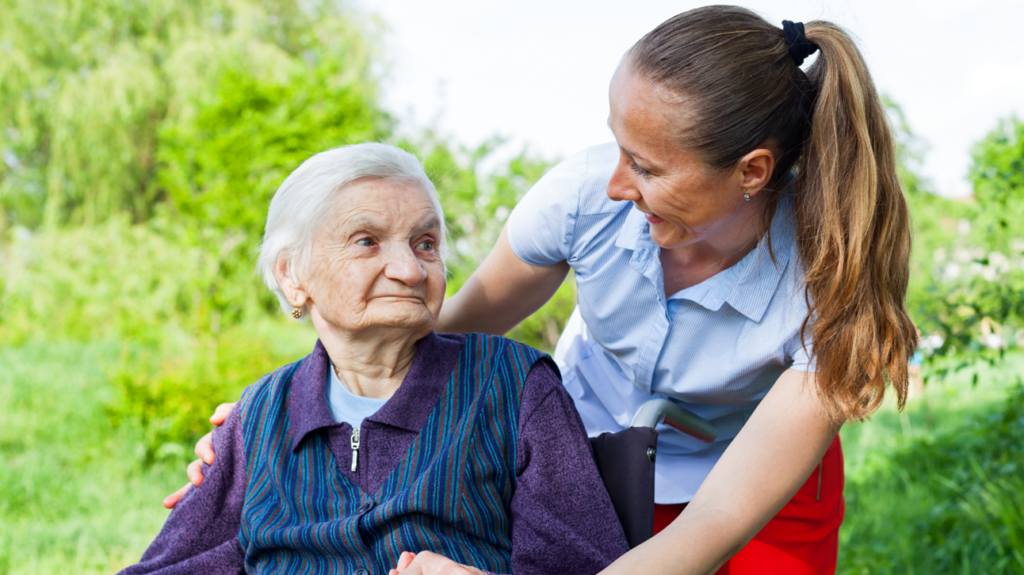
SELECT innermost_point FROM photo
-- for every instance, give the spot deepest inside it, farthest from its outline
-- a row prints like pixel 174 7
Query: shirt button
pixel 360 571
pixel 363 509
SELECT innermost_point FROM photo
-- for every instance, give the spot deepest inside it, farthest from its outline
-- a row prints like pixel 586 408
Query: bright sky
pixel 537 71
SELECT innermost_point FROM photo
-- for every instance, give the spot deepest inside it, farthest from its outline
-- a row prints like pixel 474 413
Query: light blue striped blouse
pixel 716 348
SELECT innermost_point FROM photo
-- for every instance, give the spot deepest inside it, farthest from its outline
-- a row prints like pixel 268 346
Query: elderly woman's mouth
pixel 415 298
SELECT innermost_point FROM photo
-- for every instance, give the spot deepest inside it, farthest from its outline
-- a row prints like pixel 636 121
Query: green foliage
pixel 477 208
pixel 974 281
pixel 73 498
pixel 77 494
pixel 939 489
pixel 222 165
pixel 967 269
pixel 145 283
pixel 97 97
pixel 998 176
pixel 168 392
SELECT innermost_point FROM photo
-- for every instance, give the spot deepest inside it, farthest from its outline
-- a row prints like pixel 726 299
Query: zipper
pixel 355 448
pixel 816 497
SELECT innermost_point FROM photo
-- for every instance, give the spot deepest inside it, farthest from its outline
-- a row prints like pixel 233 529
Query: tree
pixel 97 98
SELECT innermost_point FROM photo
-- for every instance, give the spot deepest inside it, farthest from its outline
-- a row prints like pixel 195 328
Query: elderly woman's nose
pixel 403 266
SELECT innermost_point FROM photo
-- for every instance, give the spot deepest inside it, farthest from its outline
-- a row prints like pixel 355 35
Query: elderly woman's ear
pixel 284 273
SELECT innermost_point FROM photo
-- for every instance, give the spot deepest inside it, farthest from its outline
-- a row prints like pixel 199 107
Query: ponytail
pixel 853 234
pixel 745 90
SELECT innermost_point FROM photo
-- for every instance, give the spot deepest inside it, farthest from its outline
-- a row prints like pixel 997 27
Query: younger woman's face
pixel 684 202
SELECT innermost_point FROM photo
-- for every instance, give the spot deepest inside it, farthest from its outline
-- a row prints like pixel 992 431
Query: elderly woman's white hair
pixel 304 202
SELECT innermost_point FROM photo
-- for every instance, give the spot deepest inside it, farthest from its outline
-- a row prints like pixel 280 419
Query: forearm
pixel 502 292
pixel 700 544
pixel 470 311
pixel 762 469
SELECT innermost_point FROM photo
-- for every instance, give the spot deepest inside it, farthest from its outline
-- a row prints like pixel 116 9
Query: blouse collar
pixel 748 286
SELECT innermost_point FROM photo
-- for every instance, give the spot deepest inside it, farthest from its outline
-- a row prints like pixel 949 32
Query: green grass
pixel 78 493
pixel 937 489
pixel 72 497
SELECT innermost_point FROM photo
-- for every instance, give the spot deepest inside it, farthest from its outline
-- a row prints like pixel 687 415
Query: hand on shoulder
pixel 204 451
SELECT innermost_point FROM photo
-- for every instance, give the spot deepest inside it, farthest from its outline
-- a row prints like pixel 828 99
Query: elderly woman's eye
pixel 425 245
pixel 366 242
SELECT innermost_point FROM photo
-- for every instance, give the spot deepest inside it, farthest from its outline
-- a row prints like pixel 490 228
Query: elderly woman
pixel 387 437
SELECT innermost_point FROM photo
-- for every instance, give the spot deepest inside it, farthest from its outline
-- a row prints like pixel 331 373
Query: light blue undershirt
pixel 347 407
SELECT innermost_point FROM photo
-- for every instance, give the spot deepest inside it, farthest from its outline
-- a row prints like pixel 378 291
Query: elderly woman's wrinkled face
pixel 377 262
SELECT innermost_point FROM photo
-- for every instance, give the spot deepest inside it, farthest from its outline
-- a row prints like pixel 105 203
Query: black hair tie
pixel 799 46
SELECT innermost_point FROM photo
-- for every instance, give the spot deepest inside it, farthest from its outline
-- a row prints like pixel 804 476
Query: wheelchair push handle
pixel 676 417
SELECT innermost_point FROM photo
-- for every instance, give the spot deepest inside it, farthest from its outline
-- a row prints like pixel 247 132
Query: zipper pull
pixel 355 448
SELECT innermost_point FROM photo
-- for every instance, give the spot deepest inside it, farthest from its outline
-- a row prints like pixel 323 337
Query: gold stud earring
pixel 746 195
pixel 297 313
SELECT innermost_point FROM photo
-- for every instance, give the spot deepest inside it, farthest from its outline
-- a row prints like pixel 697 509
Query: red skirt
pixel 803 538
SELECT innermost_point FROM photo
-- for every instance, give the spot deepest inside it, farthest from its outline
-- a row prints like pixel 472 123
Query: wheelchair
pixel 625 460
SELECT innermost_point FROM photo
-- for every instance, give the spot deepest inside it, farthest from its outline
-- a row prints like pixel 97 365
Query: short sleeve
pixel 541 227
pixel 802 353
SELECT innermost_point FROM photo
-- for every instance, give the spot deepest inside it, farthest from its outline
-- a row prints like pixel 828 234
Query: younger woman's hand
pixel 204 451
pixel 427 563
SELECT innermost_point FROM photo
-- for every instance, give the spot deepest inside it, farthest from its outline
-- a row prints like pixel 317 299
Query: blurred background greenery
pixel 141 143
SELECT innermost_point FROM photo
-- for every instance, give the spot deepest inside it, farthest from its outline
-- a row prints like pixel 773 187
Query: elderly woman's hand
pixel 427 563
pixel 204 451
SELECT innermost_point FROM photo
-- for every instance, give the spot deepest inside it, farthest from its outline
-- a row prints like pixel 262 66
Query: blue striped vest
pixel 450 494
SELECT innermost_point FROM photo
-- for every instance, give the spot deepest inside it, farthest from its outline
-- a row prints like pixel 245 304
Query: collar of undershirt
pixel 408 409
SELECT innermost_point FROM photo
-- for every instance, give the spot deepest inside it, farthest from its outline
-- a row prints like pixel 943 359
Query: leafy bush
pixel 143 283
pixel 168 394
pixel 967 265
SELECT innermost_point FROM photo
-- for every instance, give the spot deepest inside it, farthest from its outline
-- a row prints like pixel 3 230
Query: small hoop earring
pixel 746 195
pixel 297 313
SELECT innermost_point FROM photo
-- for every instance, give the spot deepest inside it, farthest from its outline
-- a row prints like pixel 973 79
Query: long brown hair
pixel 744 91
